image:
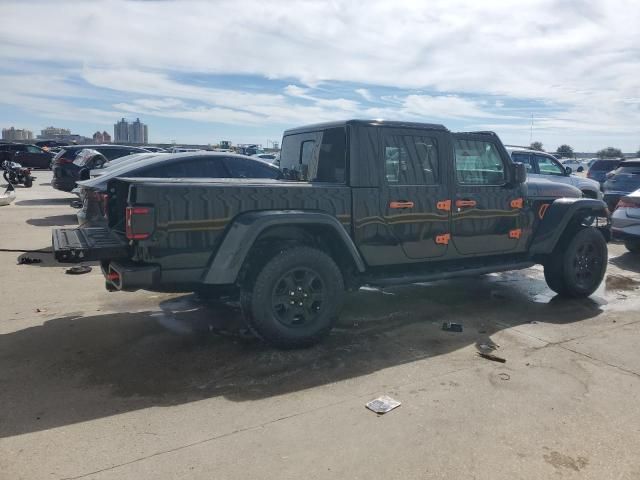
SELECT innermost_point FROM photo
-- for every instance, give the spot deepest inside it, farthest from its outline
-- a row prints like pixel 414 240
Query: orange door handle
pixel 401 204
pixel 466 203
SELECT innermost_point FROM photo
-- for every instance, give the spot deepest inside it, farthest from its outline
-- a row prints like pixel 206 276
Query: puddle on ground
pixel 616 281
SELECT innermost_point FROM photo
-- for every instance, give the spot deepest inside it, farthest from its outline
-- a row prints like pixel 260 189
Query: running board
pixel 446 274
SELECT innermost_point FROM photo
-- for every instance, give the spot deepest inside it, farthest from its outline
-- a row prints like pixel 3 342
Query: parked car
pixel 599 169
pixel 621 181
pixel 118 162
pixel 29 156
pixel 66 173
pixel 154 149
pixel 576 165
pixel 544 165
pixel 625 221
pixel 372 203
pixel 269 157
pixel 184 149
pixel 179 165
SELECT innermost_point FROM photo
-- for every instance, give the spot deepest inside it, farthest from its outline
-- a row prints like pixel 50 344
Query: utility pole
pixel 531 134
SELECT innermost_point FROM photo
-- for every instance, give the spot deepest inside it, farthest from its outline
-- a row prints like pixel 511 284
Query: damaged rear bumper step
pixel 71 245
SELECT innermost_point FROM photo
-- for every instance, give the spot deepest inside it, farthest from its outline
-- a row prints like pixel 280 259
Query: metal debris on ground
pixel 383 404
pixel 28 260
pixel 493 358
pixel 452 327
pixel 487 346
pixel 78 269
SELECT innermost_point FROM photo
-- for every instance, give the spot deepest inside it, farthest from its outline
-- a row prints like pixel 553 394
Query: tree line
pixel 566 151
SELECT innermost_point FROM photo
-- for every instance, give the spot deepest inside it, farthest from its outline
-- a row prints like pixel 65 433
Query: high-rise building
pixel 121 131
pixel 101 137
pixel 134 132
pixel 13 134
pixel 53 132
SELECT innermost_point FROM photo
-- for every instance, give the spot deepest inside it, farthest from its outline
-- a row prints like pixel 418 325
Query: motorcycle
pixel 14 173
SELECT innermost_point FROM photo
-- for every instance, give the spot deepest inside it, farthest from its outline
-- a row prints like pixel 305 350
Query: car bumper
pixel 129 277
pixel 65 184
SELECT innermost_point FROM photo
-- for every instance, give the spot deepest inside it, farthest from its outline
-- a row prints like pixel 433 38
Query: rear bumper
pixel 128 276
pixel 66 184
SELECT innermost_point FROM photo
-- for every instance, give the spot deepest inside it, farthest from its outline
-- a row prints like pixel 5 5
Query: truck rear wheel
pixel 294 299
pixel 578 269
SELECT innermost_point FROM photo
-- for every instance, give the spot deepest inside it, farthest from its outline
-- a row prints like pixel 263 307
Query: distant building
pixel 13 134
pixel 101 137
pixel 53 132
pixel 134 132
pixel 225 144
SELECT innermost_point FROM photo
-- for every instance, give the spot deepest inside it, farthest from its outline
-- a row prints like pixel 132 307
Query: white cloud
pixel 364 93
pixel 582 58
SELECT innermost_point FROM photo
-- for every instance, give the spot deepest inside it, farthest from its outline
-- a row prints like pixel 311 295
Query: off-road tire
pixel 577 268
pixel 261 295
pixel 28 182
pixel 632 245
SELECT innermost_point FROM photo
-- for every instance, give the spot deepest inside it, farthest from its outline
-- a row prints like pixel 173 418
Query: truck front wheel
pixel 578 269
pixel 294 299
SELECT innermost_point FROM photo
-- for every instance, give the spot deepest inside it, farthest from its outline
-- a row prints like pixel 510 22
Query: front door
pixel 487 209
pixel 415 197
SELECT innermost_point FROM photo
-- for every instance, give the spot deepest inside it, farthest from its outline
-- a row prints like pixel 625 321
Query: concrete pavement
pixel 134 386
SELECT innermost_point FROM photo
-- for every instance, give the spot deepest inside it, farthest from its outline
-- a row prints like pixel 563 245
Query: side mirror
pixel 519 173
pixel 567 170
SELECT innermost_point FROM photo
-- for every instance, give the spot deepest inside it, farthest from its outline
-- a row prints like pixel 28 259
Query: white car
pixel 575 165
pixel 625 221
pixel 544 165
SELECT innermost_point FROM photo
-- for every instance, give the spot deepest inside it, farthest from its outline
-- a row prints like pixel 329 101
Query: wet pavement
pixel 146 385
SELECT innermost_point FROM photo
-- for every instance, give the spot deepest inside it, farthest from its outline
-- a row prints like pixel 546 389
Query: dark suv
pixel 66 173
pixel 598 171
pixel 29 156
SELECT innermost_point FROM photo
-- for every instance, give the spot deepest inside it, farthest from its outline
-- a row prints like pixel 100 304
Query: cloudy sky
pixel 244 70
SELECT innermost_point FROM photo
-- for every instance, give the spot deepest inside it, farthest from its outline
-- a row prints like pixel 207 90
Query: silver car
pixel 625 221
pixel 543 165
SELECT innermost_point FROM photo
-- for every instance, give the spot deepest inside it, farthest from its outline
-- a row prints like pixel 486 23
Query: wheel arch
pixel 276 228
pixel 563 216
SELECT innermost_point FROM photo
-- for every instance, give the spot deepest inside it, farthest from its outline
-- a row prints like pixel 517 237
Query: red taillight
pixel 626 203
pixel 589 174
pixel 63 160
pixel 132 230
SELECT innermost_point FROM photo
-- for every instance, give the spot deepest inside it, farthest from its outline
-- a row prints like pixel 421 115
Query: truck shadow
pixel 39 202
pixel 78 368
pixel 53 221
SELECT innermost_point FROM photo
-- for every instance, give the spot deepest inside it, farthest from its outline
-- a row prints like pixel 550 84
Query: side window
pixel 112 153
pixel 32 149
pixel 549 166
pixel 204 168
pixel 411 160
pixel 523 158
pixel 244 168
pixel 315 156
pixel 478 163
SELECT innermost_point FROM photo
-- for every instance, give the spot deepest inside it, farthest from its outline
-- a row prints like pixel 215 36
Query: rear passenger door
pixel 487 208
pixel 416 195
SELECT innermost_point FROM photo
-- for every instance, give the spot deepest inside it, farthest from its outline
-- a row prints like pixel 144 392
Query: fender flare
pixel 245 229
pixel 558 216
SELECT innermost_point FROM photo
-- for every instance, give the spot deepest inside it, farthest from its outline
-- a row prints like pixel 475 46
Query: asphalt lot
pixel 136 386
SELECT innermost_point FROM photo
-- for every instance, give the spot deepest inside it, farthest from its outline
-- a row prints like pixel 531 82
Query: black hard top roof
pixel 369 123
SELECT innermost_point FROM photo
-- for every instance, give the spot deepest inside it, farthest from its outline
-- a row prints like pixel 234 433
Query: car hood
pixel 542 188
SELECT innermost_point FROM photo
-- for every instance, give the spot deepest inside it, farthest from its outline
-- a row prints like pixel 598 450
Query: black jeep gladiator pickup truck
pixel 360 202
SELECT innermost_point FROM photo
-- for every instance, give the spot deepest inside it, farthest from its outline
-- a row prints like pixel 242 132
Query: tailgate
pixel 72 245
